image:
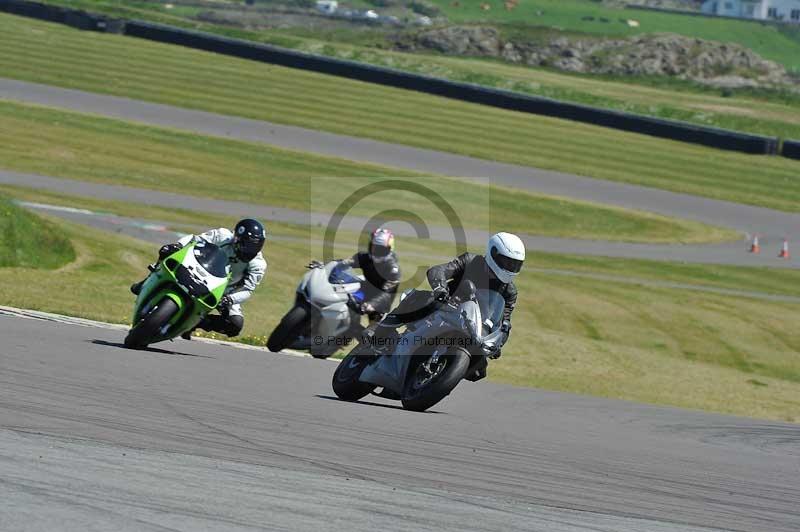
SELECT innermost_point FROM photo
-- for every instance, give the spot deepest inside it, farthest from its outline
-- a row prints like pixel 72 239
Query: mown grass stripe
pixel 177 76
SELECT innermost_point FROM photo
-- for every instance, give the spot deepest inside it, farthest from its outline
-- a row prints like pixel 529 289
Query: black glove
pixel 168 250
pixel 506 326
pixel 441 293
pixel 314 264
pixel 225 304
pixel 496 354
pixel 367 308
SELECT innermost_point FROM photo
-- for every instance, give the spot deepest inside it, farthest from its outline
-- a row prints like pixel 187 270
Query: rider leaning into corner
pixel 381 271
pixel 505 255
pixel 243 248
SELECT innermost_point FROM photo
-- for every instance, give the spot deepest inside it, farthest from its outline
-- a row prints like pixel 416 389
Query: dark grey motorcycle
pixel 421 365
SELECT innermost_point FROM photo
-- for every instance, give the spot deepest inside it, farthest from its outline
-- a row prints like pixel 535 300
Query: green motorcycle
pixel 179 293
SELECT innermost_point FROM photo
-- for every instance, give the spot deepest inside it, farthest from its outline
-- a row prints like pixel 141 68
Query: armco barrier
pixel 791 149
pixel 669 129
pixel 70 17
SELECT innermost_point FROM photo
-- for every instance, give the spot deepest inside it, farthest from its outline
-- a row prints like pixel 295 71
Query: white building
pixel 328 7
pixel 785 10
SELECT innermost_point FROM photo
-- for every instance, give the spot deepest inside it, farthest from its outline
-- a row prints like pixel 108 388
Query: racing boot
pixel 136 288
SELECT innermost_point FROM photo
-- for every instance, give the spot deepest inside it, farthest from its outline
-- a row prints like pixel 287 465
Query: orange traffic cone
pixel 755 247
pixel 784 254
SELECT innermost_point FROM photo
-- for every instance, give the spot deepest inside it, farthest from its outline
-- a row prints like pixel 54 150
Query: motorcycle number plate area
pixel 388 371
pixel 349 287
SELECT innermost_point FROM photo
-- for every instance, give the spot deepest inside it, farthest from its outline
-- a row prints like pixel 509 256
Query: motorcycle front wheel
pixel 288 330
pixel 428 382
pixel 142 334
pixel 346 385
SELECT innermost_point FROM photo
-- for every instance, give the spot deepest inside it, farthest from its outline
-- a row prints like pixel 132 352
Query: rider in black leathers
pixel 447 278
pixel 497 273
pixel 381 271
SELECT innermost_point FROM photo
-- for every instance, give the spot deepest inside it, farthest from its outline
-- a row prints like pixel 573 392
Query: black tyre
pixel 426 387
pixel 346 385
pixel 143 333
pixel 288 330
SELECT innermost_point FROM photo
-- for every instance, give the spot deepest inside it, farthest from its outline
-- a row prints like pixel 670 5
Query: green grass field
pixel 678 347
pixel 56 55
pixel 765 112
pixel 27 241
pixel 64 144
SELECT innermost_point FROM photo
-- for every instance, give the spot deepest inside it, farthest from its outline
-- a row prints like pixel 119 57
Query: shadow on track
pixel 149 349
pixel 370 403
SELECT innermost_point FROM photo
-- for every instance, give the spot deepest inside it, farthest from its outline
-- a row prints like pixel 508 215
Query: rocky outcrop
pixel 461 40
pixel 708 62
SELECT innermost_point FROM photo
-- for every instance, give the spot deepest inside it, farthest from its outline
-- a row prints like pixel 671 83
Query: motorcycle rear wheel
pixel 142 334
pixel 288 330
pixel 345 381
pixel 420 394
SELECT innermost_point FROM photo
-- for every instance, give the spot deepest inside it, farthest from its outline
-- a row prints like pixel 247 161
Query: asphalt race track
pixel 199 436
pixel 772 225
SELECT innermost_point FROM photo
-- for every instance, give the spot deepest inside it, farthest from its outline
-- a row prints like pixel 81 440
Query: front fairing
pixel 429 334
pixel 318 289
pixel 327 290
pixel 193 277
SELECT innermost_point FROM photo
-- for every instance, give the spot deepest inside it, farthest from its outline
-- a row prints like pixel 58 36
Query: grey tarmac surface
pixel 773 224
pixel 197 436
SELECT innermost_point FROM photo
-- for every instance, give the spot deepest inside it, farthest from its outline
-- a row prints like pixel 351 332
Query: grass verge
pixel 56 55
pixel 65 144
pixel 754 279
pixel 762 111
pixel 27 241
pixel 679 347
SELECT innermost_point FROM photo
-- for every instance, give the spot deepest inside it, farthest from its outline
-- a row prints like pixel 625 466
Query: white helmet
pixel 505 255
pixel 381 244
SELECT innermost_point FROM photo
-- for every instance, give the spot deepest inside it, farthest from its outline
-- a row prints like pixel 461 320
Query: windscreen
pixel 211 258
pixel 492 305
pixel 343 274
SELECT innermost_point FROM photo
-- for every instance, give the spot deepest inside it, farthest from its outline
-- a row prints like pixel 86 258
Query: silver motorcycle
pixel 424 363
pixel 324 317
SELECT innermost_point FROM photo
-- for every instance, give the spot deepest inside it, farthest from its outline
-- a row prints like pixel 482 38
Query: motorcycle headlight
pixel 190 283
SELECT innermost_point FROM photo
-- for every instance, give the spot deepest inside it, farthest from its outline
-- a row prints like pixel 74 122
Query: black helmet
pixel 248 239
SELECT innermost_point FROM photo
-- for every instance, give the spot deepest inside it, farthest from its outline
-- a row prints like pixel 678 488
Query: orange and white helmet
pixel 381 244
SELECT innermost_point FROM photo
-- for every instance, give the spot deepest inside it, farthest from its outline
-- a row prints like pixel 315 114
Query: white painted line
pixel 82 322
pixel 59 208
